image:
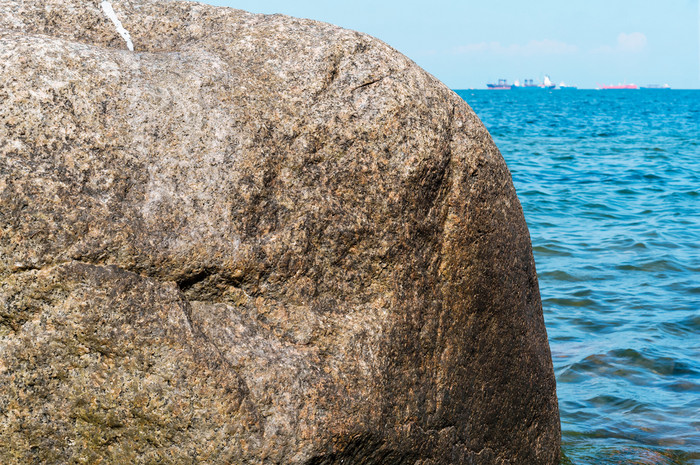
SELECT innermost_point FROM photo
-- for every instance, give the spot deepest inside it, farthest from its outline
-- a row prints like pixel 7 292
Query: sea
pixel 609 181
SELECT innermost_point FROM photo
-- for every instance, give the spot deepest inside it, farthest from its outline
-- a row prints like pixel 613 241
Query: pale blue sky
pixel 468 43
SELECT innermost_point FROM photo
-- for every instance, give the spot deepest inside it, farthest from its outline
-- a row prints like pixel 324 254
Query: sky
pixel 468 43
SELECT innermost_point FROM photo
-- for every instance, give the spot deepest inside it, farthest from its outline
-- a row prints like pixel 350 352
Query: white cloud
pixel 633 42
pixel 532 48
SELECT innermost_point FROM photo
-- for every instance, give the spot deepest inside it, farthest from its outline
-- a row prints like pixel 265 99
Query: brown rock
pixel 254 239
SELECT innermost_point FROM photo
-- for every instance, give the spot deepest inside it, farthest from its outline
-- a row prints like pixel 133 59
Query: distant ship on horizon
pixel 501 85
pixel 562 85
pixel 527 84
pixel 617 86
pixel 656 86
pixel 530 84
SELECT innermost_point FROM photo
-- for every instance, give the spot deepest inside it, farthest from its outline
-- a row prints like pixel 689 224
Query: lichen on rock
pixel 254 239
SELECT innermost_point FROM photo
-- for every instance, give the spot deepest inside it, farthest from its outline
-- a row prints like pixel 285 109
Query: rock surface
pixel 254 240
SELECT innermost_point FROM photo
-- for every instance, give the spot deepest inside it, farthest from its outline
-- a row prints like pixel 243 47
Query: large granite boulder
pixel 254 240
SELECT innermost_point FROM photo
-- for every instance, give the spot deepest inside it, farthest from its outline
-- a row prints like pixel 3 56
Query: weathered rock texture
pixel 254 240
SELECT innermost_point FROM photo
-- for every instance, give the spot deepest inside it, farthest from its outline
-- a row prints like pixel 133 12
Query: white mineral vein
pixel 109 11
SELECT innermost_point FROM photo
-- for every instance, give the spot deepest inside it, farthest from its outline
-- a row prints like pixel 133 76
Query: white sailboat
pixel 548 84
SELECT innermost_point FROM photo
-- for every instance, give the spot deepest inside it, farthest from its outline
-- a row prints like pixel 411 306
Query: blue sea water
pixel 610 185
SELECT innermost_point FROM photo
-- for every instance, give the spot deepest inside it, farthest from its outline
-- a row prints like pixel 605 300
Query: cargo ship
pixel 656 86
pixel 527 84
pixel 530 84
pixel 501 85
pixel 618 86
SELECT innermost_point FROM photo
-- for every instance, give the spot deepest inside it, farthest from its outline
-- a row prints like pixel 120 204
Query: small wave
pixel 552 250
pixel 654 265
pixel 627 191
pixel 627 360
pixel 687 326
pixel 568 302
pixel 626 455
pixel 682 386
pixel 619 404
pixel 562 276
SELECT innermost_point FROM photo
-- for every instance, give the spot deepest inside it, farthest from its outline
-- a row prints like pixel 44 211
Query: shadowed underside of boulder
pixel 254 239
